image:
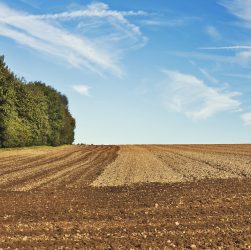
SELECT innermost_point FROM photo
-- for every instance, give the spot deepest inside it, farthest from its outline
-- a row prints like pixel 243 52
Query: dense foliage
pixel 32 113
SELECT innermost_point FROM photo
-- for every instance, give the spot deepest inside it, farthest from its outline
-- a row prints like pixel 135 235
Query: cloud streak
pixel 41 33
pixel 191 96
pixel 160 21
pixel 203 56
pixel 236 47
pixel 239 8
pixel 93 10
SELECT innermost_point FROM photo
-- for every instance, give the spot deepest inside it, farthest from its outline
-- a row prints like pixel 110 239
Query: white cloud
pixel 97 52
pixel 82 89
pixel 242 56
pixel 246 118
pixel 175 22
pixel 239 8
pixel 213 32
pixel 203 56
pixel 242 10
pixel 94 10
pixel 236 47
pixel 189 95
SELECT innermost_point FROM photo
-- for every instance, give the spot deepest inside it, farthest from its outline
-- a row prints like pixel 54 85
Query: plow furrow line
pixel 215 168
pixel 54 176
pixel 16 177
pixel 89 174
pixel 38 160
pixel 68 176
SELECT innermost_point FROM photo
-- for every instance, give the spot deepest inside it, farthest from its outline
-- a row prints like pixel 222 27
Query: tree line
pixel 32 113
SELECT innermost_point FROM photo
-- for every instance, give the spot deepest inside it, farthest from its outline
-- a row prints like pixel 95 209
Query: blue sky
pixel 139 71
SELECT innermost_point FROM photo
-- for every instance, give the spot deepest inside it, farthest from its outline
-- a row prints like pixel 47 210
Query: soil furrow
pixel 59 180
pixel 233 165
pixel 95 168
pixel 30 172
pixel 37 174
pixel 55 177
pixel 197 166
pixel 38 160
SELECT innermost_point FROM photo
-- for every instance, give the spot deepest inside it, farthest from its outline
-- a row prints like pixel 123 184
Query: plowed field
pixel 126 197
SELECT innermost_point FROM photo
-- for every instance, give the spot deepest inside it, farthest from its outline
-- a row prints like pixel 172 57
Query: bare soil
pixel 127 197
pixel 176 163
pixel 51 168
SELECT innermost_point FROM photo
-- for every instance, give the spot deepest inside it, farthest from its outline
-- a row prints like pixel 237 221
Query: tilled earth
pixel 176 163
pixel 127 197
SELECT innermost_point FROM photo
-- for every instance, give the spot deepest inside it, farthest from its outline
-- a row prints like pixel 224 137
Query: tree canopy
pixel 32 113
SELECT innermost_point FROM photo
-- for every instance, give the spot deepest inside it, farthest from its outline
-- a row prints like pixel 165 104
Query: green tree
pixel 32 113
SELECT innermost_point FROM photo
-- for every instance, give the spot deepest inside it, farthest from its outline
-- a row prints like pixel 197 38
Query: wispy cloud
pixel 209 76
pixel 239 8
pixel 94 10
pixel 203 56
pixel 213 32
pixel 246 118
pixel 44 34
pixel 241 57
pixel 236 47
pixel 82 89
pixel 171 22
pixel 189 95
pixel 205 72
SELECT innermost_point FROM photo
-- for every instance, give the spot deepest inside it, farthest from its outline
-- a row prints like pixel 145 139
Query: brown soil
pixel 176 163
pixel 54 167
pixel 204 201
